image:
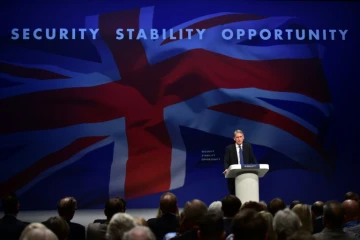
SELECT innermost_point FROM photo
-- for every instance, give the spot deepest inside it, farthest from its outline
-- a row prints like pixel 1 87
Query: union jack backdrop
pixel 133 122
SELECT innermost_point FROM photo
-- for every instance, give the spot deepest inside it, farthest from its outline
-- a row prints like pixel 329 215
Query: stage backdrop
pixel 101 99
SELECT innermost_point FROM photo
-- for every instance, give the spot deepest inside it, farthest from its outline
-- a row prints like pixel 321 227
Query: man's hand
pixel 225 172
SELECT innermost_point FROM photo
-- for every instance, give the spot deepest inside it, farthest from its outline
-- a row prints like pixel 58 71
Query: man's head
pixel 286 223
pixel 11 204
pixel 113 206
pixel 352 196
pixel 67 207
pixel 193 212
pixel 168 203
pixel 211 227
pixel 317 209
pixel 230 206
pixel 249 224
pixel 139 233
pixel 333 216
pixel 239 137
pixel 351 210
pixel 276 205
pixel 58 226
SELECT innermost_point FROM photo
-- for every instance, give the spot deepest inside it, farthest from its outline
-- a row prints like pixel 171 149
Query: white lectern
pixel 247 180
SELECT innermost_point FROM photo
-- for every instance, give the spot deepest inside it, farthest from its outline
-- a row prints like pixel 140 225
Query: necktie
pixel 241 156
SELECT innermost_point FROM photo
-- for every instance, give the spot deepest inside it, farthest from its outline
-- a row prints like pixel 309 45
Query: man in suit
pixel 10 226
pixel 238 153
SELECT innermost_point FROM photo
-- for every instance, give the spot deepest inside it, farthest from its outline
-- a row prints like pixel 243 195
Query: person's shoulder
pixel 230 145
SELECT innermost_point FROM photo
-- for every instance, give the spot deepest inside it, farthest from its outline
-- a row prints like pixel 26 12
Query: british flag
pixel 136 100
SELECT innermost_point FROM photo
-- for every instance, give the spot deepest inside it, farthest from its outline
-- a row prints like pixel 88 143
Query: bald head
pixel 193 212
pixel 351 210
pixel 168 203
pixel 67 207
pixel 333 215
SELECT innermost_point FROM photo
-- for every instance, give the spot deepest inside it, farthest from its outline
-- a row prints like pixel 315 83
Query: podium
pixel 247 180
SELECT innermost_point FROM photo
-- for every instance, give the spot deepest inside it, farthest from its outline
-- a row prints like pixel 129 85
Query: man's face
pixel 239 138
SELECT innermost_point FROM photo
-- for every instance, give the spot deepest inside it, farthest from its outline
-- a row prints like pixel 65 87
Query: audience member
pixel 37 231
pixel 10 226
pixel 194 211
pixel 351 217
pixel 352 196
pixel 271 235
pixel 215 207
pixel 230 205
pixel 66 209
pixel 317 212
pixel 211 227
pixel 248 224
pixel 286 223
pixel 294 203
pixel 168 221
pixel 333 219
pixel 58 226
pixel 276 205
pixel 304 213
pixel 118 225
pixel 139 233
pixel 253 205
pixel 301 235
pixel 97 230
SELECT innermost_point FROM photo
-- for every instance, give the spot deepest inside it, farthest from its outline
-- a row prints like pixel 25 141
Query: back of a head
pixel 58 226
pixel 304 213
pixel 269 223
pixel 351 210
pixel 39 234
pixel 123 201
pixel 333 215
pixel 317 208
pixel 301 235
pixel 249 224
pixel 118 225
pixel 193 212
pixel 286 223
pixel 29 228
pixel 211 227
pixel 253 205
pixel 168 203
pixel 113 206
pixel 10 204
pixel 215 207
pixel 230 206
pixel 294 203
pixel 139 233
pixel 67 207
pixel 351 196
pixel 276 205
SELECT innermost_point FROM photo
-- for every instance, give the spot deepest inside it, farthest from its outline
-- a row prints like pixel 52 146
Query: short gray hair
pixel 139 233
pixel 286 223
pixel 238 131
pixel 39 233
pixel 215 207
pixel 118 225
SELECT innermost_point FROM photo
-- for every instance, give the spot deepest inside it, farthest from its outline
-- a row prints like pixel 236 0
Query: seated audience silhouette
pixel 58 226
pixel 271 235
pixel 304 213
pixel 66 209
pixel 10 226
pixel 97 230
pixel 333 219
pixel 168 221
pixel 119 224
pixel 139 233
pixel 316 213
pixel 248 224
pixel 276 205
pixel 351 217
pixel 286 223
pixel 230 206
pixel 211 227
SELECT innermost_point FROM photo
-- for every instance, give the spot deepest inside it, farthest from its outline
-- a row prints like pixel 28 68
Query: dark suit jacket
pixel 11 228
pixel 163 225
pixel 77 231
pixel 231 158
pixel 329 234
pixel 318 225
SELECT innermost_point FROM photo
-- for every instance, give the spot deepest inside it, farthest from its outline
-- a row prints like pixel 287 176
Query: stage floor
pixel 83 217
